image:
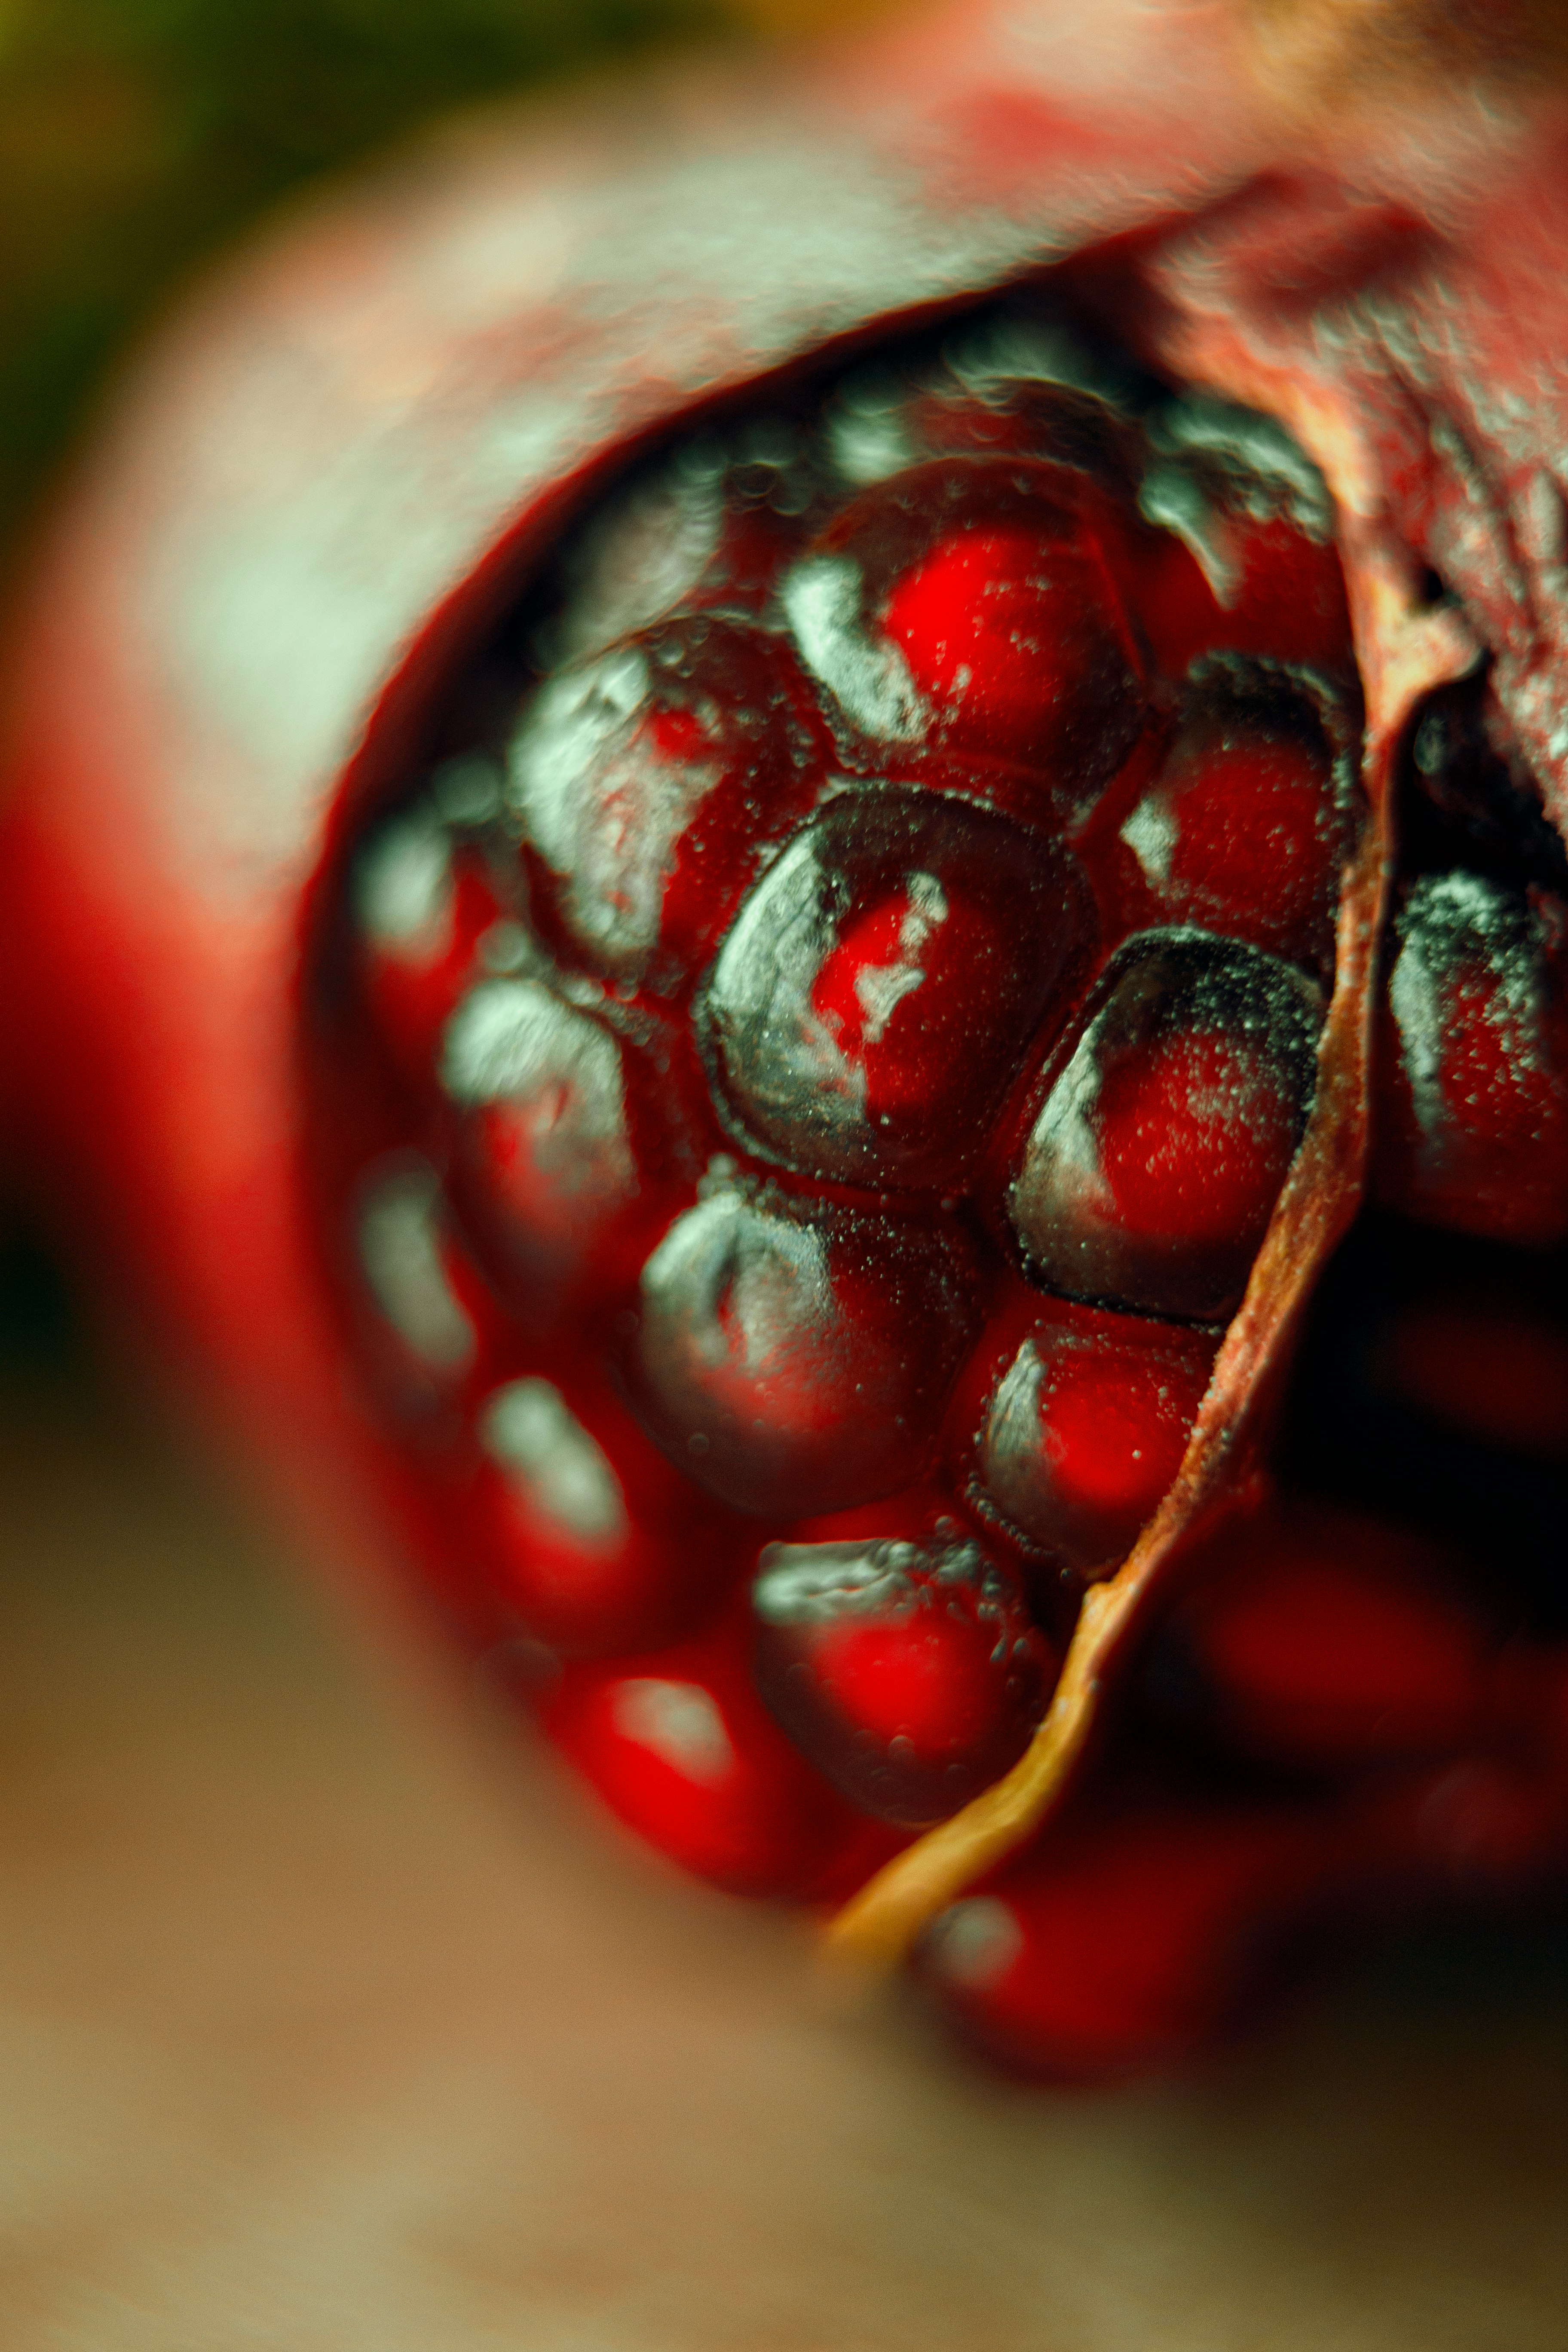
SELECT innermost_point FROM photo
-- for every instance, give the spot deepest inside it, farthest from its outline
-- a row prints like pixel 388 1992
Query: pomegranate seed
pixel 1485 1368
pixel 650 781
pixel 1320 1638
pixel 1244 829
pixel 795 1360
pixel 906 1668
pixel 880 985
pixel 1084 1428
pixel 679 1747
pixel 589 1534
pixel 1480 1826
pixel 544 1161
pixel 969 603
pixel 1152 1169
pixel 404 1250
pixel 1245 561
pixel 1474 1092
pixel 708 526
pixel 1121 1944
pixel 424 902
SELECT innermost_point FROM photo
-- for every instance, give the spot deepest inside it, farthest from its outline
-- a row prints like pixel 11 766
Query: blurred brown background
pixel 328 2023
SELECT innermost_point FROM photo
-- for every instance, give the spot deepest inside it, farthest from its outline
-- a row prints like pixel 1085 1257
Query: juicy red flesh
pixel 650 781
pixel 816 1075
pixel 582 1526
pixel 1245 827
pixel 794 1363
pixel 902 1660
pixel 969 603
pixel 1475 1045
pixel 1118 1943
pixel 1320 1638
pixel 1152 1168
pixel 678 1745
pixel 1083 1419
pixel 425 902
pixel 885 980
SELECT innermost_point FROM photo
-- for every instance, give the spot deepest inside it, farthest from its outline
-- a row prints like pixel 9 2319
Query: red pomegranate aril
pixel 1278 592
pixel 793 800
pixel 1121 1943
pixel 1488 1367
pixel 406 1255
pixel 651 779
pixel 1244 561
pixel 679 1747
pixel 423 901
pixel 681 538
pixel 969 603
pixel 584 1528
pixel 1085 1429
pixel 906 1668
pixel 879 986
pixel 1473 1091
pixel 543 1164
pixel 1244 828
pixel 1479 1825
pixel 1152 1169
pixel 793 1360
pixel 1318 1637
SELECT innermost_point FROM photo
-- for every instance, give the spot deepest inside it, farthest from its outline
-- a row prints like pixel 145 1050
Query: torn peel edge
pixel 1404 651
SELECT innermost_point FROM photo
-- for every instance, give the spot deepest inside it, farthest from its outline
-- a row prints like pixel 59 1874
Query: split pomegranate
pixel 749 932
pixel 870 975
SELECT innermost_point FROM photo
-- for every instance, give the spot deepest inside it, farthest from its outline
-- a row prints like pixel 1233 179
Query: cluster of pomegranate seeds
pixel 818 1049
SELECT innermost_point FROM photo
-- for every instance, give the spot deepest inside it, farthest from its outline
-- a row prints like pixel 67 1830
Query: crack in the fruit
pixel 1404 649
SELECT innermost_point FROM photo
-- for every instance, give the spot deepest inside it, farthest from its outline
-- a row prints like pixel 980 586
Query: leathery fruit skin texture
pixel 729 972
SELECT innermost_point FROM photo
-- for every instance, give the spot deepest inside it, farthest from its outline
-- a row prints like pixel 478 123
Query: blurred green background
pixel 137 135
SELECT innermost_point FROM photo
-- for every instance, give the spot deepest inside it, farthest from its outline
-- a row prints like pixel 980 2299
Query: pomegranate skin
pixel 320 489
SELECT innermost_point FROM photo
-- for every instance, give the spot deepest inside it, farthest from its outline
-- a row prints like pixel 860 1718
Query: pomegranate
pixel 747 896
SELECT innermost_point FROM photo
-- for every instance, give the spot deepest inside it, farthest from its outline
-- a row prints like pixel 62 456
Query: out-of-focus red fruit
pixel 1123 1941
pixel 1478 1826
pixel 1492 1369
pixel 1473 1103
pixel 680 1747
pixel 906 1668
pixel 1153 1166
pixel 419 1284
pixel 582 1527
pixel 425 902
pixel 543 1232
pixel 1318 1637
